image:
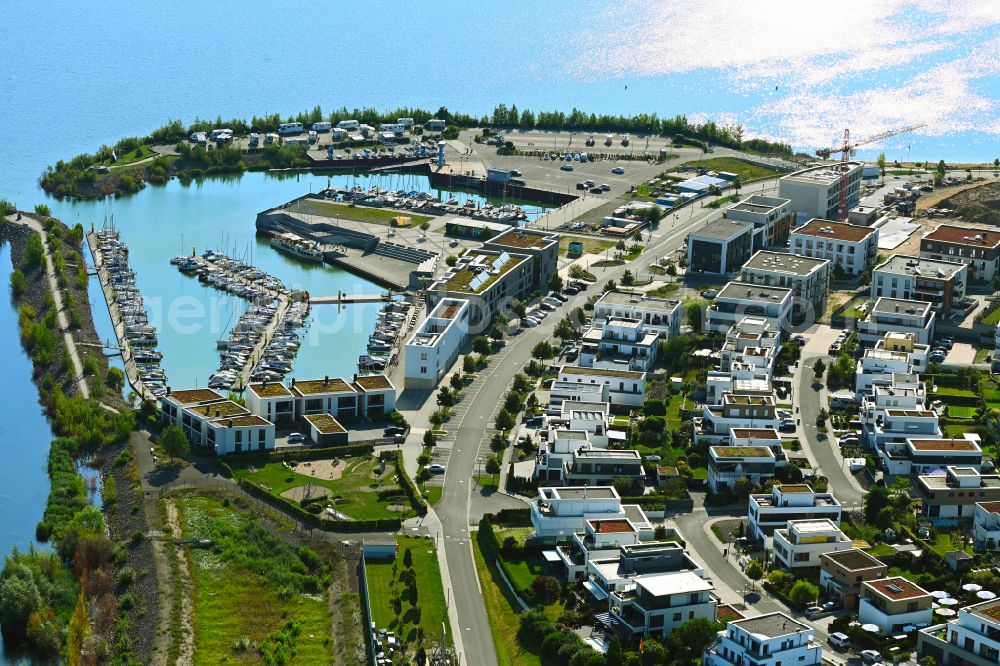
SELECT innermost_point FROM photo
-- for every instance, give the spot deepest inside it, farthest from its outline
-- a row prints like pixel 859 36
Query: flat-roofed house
pixel 970 639
pixel 923 456
pixel 435 346
pixel 842 572
pixel 893 315
pixel 624 387
pixel 329 395
pixel 727 464
pixel 851 247
pixel 956 494
pixel 659 603
pixel 797 501
pixel 719 247
pixel 894 603
pixel 737 300
pixel 765 640
pixel 801 542
pixel 986 525
pixel 558 512
pixel 807 277
pixel 272 401
pixel 661 315
pixel 977 247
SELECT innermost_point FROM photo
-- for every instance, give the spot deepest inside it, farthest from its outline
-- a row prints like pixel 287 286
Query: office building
pixel 719 247
pixel 815 191
pixel 771 217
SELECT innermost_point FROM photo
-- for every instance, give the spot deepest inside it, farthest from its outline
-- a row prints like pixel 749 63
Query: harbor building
pixel 977 248
pixel 489 280
pixel 541 247
pixel 435 346
pixel 771 218
pixel 719 247
pixel 211 421
pixel 770 511
pixel 851 247
pixel 971 639
pixel 940 283
pixel 815 191
pixel 893 315
pixel 807 277
pixel 801 542
pixel 894 603
pixel 662 315
pixel 842 572
pixel 741 299
pixel 765 640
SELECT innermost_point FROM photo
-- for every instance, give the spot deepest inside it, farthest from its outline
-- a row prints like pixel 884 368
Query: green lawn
pixel 982 355
pixel 130 157
pixel 620 420
pixel 992 318
pixel 853 308
pixel 359 493
pixel 957 412
pixel 357 213
pixel 745 170
pixel 665 291
pixel 487 483
pixel 944 542
pixel 385 587
pixel 224 593
pixel 433 494
pixel 590 245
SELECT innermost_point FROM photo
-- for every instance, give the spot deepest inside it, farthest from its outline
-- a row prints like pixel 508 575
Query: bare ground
pixel 321 469
pixel 173 531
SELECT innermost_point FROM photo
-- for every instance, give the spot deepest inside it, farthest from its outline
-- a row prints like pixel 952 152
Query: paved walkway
pixel 50 273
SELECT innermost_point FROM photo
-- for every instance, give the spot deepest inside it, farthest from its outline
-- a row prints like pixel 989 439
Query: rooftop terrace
pixel 834 230
pixel 896 588
pixel 853 560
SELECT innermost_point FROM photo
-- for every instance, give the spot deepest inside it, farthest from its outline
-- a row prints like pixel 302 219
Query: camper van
pixel 321 127
pixel 270 137
pixel 254 139
pixel 350 125
pixel 405 123
pixel 289 128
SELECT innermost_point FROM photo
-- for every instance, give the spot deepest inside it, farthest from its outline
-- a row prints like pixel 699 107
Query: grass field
pixel 992 318
pixel 385 587
pixel 853 310
pixel 225 591
pixel 590 245
pixel 359 493
pixel 957 412
pixel 525 568
pixel 983 355
pixel 130 157
pixel 357 213
pixel 745 170
pixel 665 291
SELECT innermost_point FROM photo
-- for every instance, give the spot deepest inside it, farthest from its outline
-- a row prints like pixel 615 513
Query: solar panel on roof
pixel 500 261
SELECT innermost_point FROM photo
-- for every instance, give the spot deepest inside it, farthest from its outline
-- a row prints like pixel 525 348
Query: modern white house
pixel 774 639
pixel 883 426
pixel 560 511
pixel 272 401
pixel 662 315
pixel 986 525
pixel 849 246
pixel 801 542
pixel 939 282
pixel 770 511
pixel 239 434
pixel 955 494
pixel 751 345
pixel 435 346
pixel 211 421
pixel 624 387
pixel 656 604
pixel 719 247
pixel 895 354
pixel 771 218
pixel 727 464
pixel 924 456
pixel 616 572
pixel 891 315
pixel 736 411
pixel 371 396
pixel 815 190
pixel 619 344
pixel 564 392
pixel 600 538
pixel 807 277
pixel 489 280
pixel 741 299
pixel 597 467
pixel 555 452
pixel 894 603
pixel 971 639
pixel 591 417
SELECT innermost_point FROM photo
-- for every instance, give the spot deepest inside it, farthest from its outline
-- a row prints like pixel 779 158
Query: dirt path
pixel 182 623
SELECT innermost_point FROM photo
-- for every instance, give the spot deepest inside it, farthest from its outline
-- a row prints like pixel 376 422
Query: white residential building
pixel 774 639
pixel 272 401
pixel 600 538
pixel 801 542
pixel 616 572
pixel 956 494
pixel 770 511
pixel 894 603
pixel 563 392
pixel 895 354
pixel 740 299
pixel 807 277
pixel 891 315
pixel 435 346
pixel 559 512
pixel 619 344
pixel 971 639
pixel 815 191
pixel 656 604
pixel 727 464
pixel 924 456
pixel 938 282
pixel 771 217
pixel 736 411
pixel 555 452
pixel 986 525
pixel 624 387
pixel 211 421
pixel 751 345
pixel 883 426
pixel 597 467
pixel 851 247
pixel 591 417
pixel 739 380
pixel 661 315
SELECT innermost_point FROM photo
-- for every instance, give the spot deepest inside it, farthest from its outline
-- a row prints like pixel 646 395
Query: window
pixel 677 617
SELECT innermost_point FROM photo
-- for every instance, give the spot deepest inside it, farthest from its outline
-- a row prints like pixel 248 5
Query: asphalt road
pixel 454 507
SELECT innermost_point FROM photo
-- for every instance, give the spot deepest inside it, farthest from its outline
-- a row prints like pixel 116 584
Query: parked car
pixel 393 430
pixel 545 305
pixel 799 339
pixel 399 439
pixel 596 190
pixel 435 468
pixel 605 187
pixel 813 611
pixel 516 173
pixel 830 606
pixel 581 186
pixel 528 322
pixel 295 437
pixel 787 425
pixel 835 348
pixel 618 170
pixel 572 353
pixel 560 297
pixel 943 341
pixel 871 656
pixel 573 291
pixel 850 440
pixel 566 167
pixel 710 294
pixel 839 640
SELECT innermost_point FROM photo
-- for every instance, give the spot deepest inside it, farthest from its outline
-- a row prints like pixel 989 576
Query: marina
pixel 137 338
pixel 395 320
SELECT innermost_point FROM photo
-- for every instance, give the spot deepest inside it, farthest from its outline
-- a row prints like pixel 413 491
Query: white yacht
pixel 300 247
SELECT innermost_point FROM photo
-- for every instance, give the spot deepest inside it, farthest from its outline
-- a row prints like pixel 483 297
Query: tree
pixel 555 282
pixel 17 283
pixel 694 318
pixel 543 350
pixel 481 345
pixel 115 379
pixel 660 532
pixel 754 570
pixel 504 420
pixel 173 441
pixel 512 403
pixel 493 465
pixel 628 279
pixel 876 499
pixel 819 367
pixel 940 171
pixel 623 485
pixel 881 163
pixel 469 364
pixel 564 330
pixel 430 439
pixel 451 260
pixel 689 640
pixel 545 588
pixel 519 308
pixel 407 559
pixel 802 593
pixel 456 381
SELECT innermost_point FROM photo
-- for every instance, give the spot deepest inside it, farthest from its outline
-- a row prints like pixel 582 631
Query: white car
pixel 435 469
pixel 295 437
pixel 870 656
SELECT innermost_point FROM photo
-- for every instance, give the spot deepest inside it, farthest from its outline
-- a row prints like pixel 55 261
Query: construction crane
pixel 845 155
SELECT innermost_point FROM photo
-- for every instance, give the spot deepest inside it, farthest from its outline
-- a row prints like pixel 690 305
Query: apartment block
pixel 541 247
pixel 971 639
pixel 801 542
pixel 940 283
pixel 892 315
pixel 436 345
pixel 770 511
pixel 842 573
pixel 851 247
pixel 815 191
pixel 741 299
pixel 774 639
pixel 978 248
pixel 771 217
pixel 719 247
pixel 619 344
pixel 489 280
pixel 662 315
pixel 807 277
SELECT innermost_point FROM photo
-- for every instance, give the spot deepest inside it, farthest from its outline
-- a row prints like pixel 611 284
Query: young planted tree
pixel 173 441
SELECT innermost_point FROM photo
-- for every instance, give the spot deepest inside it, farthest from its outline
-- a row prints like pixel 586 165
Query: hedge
pixel 512 517
pixel 349 451
pixel 405 482
pixel 648 502
pixel 293 508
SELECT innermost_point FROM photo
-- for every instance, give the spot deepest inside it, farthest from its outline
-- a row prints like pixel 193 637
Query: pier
pixel 347 299
pixel 131 367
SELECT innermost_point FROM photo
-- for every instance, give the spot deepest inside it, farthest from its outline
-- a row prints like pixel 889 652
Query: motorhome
pixel 254 139
pixel 216 133
pixel 270 137
pixel 321 126
pixel 289 128
pixel 350 125
pixel 406 123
